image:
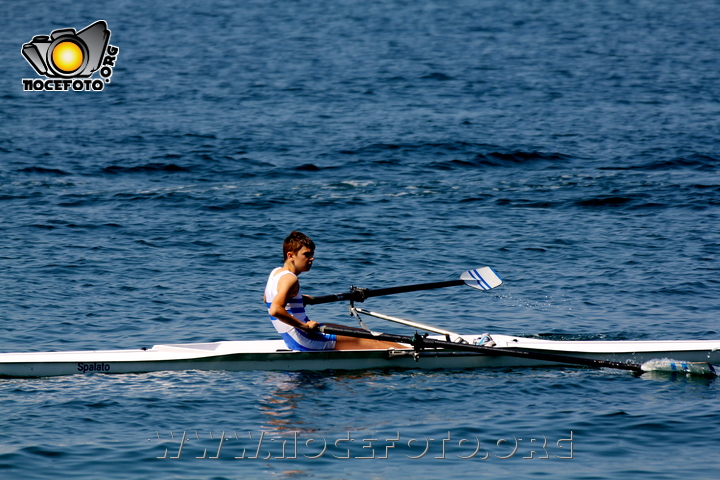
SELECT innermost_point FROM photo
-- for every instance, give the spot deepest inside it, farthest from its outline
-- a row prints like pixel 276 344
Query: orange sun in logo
pixel 67 56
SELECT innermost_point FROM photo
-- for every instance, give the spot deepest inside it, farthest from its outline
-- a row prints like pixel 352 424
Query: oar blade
pixel 666 365
pixel 483 278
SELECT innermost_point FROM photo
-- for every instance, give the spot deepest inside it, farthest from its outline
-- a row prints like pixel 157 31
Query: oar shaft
pixel 422 342
pixel 360 294
pixel 408 323
pixel 414 288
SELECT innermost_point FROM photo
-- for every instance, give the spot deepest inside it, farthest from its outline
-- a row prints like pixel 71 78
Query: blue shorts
pixel 303 341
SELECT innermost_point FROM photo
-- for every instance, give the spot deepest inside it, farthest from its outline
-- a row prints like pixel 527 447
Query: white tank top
pixel 295 306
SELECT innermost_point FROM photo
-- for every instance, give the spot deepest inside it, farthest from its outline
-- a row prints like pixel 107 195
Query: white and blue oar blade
pixel 666 365
pixel 482 278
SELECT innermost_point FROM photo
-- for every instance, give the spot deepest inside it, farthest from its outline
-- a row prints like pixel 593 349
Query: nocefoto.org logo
pixel 68 59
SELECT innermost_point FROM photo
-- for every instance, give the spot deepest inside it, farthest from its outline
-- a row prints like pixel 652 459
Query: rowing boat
pixel 274 355
pixel 448 350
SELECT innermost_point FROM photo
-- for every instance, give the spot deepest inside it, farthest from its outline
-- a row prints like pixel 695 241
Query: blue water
pixel 572 146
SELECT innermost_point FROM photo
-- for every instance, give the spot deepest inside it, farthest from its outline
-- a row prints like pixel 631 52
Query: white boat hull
pixel 274 355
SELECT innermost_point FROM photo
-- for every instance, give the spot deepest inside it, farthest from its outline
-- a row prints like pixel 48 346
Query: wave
pixel 43 170
pixel 434 147
pixel 437 76
pixel 150 167
pixel 606 201
pixel 462 155
pixel 499 159
pixel 308 167
pixel 696 162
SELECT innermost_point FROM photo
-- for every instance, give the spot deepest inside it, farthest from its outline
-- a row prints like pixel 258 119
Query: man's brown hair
pixel 295 241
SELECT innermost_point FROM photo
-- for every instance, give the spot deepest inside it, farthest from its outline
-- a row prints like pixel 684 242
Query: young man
pixel 286 307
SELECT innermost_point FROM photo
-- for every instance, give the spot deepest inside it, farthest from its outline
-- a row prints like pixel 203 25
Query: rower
pixel 286 304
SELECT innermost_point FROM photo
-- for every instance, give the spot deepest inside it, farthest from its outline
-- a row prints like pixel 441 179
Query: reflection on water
pixel 298 404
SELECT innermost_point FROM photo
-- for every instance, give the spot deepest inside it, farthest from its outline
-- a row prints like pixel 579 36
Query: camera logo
pixel 68 59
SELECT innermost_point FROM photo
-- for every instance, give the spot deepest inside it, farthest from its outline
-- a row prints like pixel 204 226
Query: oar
pixel 420 342
pixel 408 323
pixel 482 278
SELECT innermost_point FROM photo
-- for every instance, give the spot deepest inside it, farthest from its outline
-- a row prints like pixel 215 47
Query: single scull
pixel 274 355
pixel 445 351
